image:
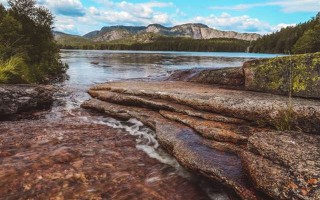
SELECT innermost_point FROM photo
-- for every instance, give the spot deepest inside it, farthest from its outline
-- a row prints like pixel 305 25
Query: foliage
pixel 303 38
pixel 26 34
pixel 309 42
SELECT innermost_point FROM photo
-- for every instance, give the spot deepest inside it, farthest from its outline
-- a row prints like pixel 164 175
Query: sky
pixel 254 16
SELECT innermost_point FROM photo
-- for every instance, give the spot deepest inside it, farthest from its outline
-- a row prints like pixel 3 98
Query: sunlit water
pixel 87 68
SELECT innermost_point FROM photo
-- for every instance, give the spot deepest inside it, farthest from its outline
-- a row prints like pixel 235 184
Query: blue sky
pixel 258 16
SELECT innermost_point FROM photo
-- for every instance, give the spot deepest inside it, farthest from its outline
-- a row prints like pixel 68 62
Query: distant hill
pixel 70 41
pixel 194 31
pixel 303 38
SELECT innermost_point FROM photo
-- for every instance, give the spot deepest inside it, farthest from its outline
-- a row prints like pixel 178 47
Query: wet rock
pixel 193 153
pixel 17 98
pixel 210 129
pixel 190 149
pixel 232 77
pixel 253 106
pixel 285 165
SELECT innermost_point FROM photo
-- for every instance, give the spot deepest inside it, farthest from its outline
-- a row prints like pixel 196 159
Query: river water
pixel 87 68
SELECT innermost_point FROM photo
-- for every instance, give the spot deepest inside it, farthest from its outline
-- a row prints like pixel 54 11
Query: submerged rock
pixel 17 98
pixel 72 158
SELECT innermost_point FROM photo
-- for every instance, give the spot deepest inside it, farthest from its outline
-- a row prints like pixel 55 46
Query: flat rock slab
pixel 74 159
pixel 160 104
pixel 17 98
pixel 253 106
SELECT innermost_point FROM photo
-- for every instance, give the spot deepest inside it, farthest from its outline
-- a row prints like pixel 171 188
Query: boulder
pixel 298 73
pixel 17 98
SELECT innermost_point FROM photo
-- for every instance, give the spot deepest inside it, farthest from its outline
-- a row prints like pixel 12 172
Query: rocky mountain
pixel 195 31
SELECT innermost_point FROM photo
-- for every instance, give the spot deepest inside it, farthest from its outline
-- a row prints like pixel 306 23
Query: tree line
pixel 163 43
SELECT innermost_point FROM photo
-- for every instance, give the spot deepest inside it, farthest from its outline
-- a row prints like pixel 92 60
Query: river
pixel 87 68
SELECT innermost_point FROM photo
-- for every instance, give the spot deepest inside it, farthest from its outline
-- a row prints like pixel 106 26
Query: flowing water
pixel 87 68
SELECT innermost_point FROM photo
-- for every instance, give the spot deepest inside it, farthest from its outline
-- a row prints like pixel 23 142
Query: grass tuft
pixel 15 71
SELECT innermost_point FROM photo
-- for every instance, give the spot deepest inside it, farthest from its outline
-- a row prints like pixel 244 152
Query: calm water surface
pixel 90 67
pixel 87 68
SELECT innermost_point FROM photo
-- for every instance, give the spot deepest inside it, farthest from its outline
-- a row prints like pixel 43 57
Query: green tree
pixel 309 42
pixel 26 31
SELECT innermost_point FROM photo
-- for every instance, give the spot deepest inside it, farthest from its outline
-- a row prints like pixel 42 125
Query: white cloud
pixel 235 23
pixel 280 26
pixel 108 13
pixel 64 7
pixel 288 6
pixel 242 23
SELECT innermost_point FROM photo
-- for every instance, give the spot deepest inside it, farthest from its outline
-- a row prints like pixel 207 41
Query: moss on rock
pixel 298 73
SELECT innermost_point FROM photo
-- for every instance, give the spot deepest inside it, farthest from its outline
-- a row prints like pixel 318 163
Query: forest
pixel 303 38
pixel 28 51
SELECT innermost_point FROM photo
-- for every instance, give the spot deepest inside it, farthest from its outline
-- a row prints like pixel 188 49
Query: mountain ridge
pixel 190 30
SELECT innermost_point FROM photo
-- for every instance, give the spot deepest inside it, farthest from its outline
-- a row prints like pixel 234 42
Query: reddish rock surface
pixel 74 159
